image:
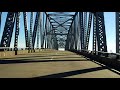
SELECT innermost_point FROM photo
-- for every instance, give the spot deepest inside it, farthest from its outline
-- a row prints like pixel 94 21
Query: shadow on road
pixel 71 73
pixel 33 61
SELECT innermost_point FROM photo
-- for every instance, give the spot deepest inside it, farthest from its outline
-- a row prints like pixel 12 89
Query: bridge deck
pixel 52 64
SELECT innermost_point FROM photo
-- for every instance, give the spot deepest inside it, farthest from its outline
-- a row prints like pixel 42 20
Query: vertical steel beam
pixel 117 32
pixel 100 32
pixel 30 35
pixel 78 26
pixel 94 33
pixel 45 32
pixel 85 28
pixel 0 20
pixel 51 37
pixel 38 30
pixel 8 30
pixel 81 30
pixel 75 38
pixel 77 30
pixel 72 37
pixel 25 28
pixel 88 29
pixel 42 34
pixel 47 29
pixel 17 14
pixel 35 28
pixel 37 38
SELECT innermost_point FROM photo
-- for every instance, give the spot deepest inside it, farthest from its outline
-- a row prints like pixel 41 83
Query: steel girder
pixel 100 32
pixel 8 30
pixel 25 28
pixel 85 28
pixel 42 34
pixel 0 19
pixel 81 30
pixel 88 30
pixel 35 28
pixel 38 30
pixel 94 33
pixel 117 32
pixel 30 34
pixel 17 30
pixel 46 32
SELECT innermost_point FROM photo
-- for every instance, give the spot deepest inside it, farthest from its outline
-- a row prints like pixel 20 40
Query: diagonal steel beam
pixel 63 23
pixel 57 22
pixel 8 30
pixel 53 19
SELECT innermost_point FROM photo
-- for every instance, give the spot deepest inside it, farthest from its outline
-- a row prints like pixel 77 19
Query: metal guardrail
pixel 100 53
pixel 111 60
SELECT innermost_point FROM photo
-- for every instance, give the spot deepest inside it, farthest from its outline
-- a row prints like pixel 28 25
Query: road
pixel 52 64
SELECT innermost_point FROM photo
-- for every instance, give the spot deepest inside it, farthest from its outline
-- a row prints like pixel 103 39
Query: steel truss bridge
pixel 68 30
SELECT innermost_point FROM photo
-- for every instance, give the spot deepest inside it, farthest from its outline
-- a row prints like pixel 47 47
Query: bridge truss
pixel 53 30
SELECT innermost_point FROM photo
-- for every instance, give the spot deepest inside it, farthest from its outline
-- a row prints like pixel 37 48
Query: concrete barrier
pixel 5 54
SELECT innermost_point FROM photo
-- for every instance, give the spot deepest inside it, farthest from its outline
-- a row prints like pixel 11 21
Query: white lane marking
pixel 51 58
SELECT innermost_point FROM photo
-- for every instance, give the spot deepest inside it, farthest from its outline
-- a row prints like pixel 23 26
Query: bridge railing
pixel 111 60
pixel 10 52
pixel 13 49
pixel 103 54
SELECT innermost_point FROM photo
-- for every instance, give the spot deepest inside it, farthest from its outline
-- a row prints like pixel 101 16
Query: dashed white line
pixel 51 58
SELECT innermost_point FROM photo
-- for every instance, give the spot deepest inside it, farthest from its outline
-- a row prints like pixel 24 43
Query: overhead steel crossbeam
pixel 60 15
pixel 59 34
pixel 62 24
pixel 58 23
pixel 8 30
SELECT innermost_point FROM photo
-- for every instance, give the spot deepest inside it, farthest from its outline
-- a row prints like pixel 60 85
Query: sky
pixel 109 27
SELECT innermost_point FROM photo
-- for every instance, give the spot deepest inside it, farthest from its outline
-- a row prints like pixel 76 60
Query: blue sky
pixel 109 26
